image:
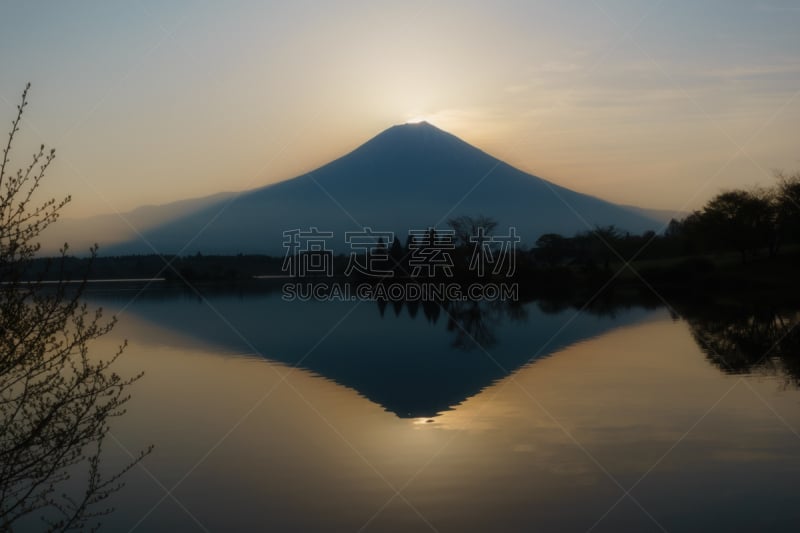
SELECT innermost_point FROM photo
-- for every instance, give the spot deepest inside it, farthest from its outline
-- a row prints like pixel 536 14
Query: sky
pixel 656 104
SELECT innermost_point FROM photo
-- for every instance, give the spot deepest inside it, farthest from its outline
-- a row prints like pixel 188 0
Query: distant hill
pixel 107 230
pixel 410 176
pixel 661 215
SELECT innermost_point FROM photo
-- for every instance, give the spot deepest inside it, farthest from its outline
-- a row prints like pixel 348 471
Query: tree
pixel 787 200
pixel 467 228
pixel 396 256
pixel 742 220
pixel 469 236
pixel 552 248
pixel 605 243
pixel 56 401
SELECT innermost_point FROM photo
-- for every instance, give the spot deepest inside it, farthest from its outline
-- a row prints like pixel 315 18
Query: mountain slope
pixel 409 177
pixel 83 233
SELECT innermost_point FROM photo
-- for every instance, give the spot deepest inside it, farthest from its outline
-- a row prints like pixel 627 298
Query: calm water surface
pixel 312 416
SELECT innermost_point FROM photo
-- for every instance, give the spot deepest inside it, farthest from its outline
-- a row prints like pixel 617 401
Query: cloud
pixel 753 71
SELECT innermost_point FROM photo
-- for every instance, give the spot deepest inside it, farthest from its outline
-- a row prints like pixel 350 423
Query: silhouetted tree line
pixel 756 223
pixel 197 267
pixel 759 226
pixel 752 223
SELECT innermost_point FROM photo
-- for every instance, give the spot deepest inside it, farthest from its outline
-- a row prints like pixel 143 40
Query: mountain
pixel 410 176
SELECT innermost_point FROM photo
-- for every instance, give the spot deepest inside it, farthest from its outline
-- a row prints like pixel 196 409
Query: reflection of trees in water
pixel 430 310
pixel 750 339
pixel 472 322
pixel 603 304
pixel 737 339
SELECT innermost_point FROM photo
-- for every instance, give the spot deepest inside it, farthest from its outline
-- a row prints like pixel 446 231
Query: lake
pixel 354 416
